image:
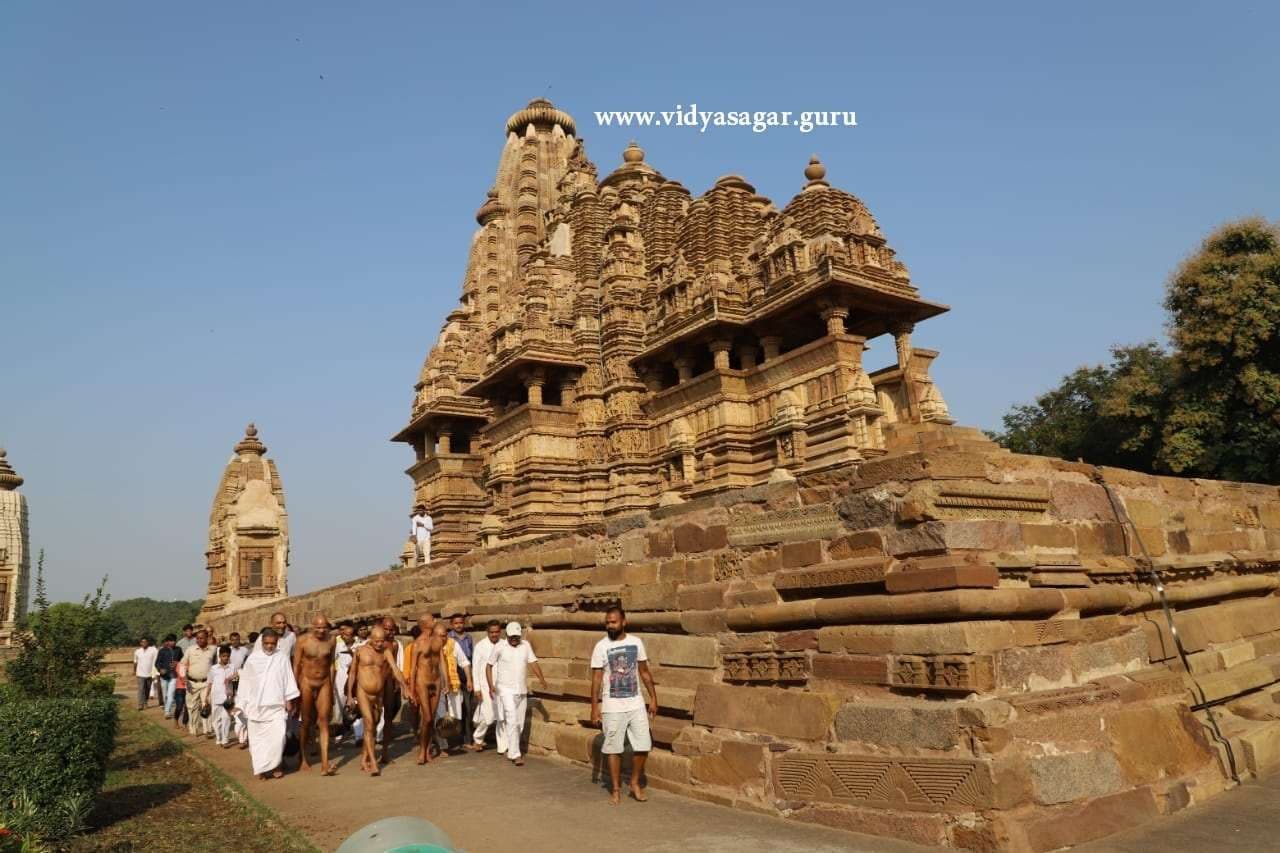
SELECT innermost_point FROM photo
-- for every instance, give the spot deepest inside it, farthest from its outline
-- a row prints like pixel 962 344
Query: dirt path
pixel 486 804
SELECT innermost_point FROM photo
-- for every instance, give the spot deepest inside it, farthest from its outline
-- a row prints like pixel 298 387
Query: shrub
pixel 63 644
pixel 53 760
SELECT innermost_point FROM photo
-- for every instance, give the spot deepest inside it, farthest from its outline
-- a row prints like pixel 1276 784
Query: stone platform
pixel 949 644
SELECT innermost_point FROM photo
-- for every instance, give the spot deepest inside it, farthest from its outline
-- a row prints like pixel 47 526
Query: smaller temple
pixel 248 553
pixel 15 552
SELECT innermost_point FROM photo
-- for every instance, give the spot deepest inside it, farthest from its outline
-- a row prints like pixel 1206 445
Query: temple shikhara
pixel 857 613
pixel 621 345
pixel 248 553
pixel 15 551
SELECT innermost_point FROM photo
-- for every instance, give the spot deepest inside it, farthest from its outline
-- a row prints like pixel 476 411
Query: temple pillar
pixel 684 368
pixel 902 342
pixel 720 353
pixel 772 345
pixel 533 383
pixel 446 439
pixel 834 317
pixel 568 392
pixel 747 356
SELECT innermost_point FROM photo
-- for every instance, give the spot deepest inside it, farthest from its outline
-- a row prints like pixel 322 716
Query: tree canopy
pixel 1209 406
pixel 147 617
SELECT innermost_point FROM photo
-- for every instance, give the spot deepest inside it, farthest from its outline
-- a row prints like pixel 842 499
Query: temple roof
pixel 9 480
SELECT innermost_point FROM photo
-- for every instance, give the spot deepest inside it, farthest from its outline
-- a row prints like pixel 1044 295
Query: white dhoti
pixel 266 742
pixel 240 725
pixel 489 713
pixel 266 686
pixel 339 694
pixel 511 725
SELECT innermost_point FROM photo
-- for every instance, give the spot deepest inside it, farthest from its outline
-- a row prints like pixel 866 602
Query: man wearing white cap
pixel 508 678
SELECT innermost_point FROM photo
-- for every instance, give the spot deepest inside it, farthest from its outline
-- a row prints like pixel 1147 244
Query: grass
pixel 160 796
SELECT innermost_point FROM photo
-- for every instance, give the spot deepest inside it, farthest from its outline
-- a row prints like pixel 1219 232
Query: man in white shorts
pixel 618 665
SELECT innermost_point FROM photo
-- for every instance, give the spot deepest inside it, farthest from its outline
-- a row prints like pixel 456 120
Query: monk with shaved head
pixel 424 681
pixel 313 670
pixel 366 684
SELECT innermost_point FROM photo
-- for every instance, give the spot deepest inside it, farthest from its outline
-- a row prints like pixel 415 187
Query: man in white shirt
pixel 239 651
pixel 488 711
pixel 508 677
pixel 284 634
pixel 268 694
pixel 343 648
pixel 618 665
pixel 220 675
pixel 420 527
pixel 144 663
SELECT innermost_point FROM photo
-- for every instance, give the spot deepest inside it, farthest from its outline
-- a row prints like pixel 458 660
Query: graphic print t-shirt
pixel 620 660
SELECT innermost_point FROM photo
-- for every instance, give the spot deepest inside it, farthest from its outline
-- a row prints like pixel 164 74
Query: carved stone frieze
pixel 786 525
pixel 944 673
pixel 916 784
pixel 766 667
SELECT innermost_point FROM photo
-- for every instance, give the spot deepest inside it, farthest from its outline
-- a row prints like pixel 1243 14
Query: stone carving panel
pixel 766 667
pixel 917 784
pixel 786 525
pixel 847 573
pixel 944 673
pixel 990 500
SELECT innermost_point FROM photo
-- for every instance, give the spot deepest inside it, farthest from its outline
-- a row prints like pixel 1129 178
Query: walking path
pixel 484 803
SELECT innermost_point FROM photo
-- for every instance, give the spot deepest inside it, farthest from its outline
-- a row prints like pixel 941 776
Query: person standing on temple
pixel 144 663
pixel 420 528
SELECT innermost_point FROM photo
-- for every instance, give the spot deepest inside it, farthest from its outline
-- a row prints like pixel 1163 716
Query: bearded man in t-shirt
pixel 618 666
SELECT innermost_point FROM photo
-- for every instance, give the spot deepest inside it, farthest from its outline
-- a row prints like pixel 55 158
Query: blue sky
pixel 222 212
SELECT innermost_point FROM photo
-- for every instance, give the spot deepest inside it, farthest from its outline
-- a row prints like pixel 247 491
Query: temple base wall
pixel 949 644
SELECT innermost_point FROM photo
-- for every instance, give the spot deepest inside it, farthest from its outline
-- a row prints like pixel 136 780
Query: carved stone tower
pixel 248 553
pixel 15 557
pixel 621 345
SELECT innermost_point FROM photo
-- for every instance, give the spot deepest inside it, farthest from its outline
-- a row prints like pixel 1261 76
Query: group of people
pixel 455 690
pixel 187 676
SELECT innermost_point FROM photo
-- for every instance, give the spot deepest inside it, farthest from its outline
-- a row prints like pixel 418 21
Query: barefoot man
pixel 619 665
pixel 313 669
pixel 366 684
pixel 268 694
pixel 424 681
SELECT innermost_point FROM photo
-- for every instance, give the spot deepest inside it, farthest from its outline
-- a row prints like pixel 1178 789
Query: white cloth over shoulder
pixel 284 645
pixel 266 685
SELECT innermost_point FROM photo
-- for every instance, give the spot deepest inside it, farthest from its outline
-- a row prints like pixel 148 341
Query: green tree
pixel 1224 303
pixel 63 644
pixel 147 617
pixel 1211 406
pixel 1105 414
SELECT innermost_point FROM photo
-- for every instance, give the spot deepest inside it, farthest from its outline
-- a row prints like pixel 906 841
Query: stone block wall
pixel 950 644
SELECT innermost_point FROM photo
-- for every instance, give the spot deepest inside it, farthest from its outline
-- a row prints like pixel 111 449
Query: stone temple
pixel 621 345
pixel 248 553
pixel 15 551
pixel 858 614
